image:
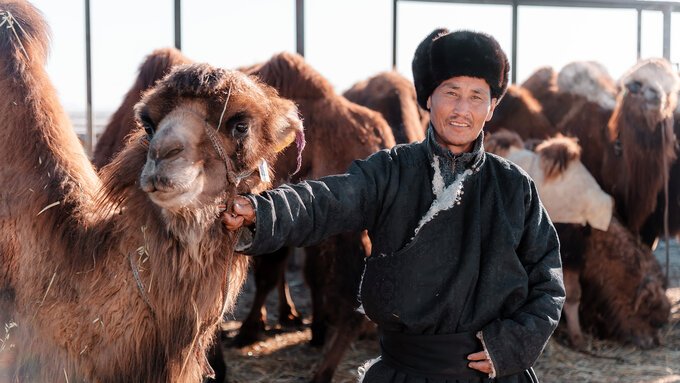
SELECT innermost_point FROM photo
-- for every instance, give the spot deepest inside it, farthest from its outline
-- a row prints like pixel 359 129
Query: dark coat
pixel 488 260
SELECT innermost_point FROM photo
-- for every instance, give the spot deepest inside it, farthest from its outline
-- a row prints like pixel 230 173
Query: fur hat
pixel 445 54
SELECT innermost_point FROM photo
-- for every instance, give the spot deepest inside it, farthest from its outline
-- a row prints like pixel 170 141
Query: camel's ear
pixel 288 126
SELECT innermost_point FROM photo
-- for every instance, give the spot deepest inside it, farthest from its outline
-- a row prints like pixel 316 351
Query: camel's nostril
pixel 148 185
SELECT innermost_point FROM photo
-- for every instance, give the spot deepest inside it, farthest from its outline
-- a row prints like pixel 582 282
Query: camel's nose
pixel 148 184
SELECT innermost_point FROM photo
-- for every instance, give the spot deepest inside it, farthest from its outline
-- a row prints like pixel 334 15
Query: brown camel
pixel 624 293
pixel 623 286
pixel 328 118
pixel 624 145
pixel 122 122
pixel 556 92
pixel 155 66
pixel 520 112
pixel 337 132
pixel 122 278
pixel 393 96
pixel 653 229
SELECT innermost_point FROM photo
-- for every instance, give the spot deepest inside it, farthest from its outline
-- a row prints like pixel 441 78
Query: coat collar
pixel 453 164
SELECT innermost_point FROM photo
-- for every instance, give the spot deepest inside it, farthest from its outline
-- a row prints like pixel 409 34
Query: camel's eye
pixel 147 124
pixel 239 124
pixel 634 87
pixel 241 127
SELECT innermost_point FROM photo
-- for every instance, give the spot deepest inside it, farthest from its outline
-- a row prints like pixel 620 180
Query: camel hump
pixel 157 64
pixel 557 153
pixel 543 78
pixel 501 141
pixel 24 36
pixel 588 79
pixel 293 77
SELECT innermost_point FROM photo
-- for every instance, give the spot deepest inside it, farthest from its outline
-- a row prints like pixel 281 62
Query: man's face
pixel 459 107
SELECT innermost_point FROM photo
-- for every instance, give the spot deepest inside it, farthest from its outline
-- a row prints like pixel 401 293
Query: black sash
pixel 431 356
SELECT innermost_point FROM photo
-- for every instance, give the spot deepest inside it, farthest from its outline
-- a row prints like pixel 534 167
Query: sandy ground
pixel 285 356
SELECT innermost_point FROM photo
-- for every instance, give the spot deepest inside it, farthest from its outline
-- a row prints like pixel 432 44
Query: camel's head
pixel 652 308
pixel 651 88
pixel 210 129
pixel 588 79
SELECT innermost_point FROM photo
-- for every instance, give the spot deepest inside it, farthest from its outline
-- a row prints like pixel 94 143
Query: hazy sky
pixel 346 40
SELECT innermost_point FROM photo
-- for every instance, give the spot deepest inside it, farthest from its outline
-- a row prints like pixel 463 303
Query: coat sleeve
pixel 308 212
pixel 515 343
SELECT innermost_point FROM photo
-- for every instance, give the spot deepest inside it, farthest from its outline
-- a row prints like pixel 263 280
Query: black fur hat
pixel 445 54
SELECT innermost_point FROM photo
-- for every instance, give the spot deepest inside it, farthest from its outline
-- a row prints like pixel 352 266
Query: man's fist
pixel 242 213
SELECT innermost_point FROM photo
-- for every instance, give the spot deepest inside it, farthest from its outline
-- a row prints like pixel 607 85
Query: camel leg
pixel 288 315
pixel 216 360
pixel 337 271
pixel 7 361
pixel 315 275
pixel 339 342
pixel 571 307
pixel 267 270
pixel 9 351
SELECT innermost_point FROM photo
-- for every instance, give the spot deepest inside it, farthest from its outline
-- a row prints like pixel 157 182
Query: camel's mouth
pixel 172 188
pixel 173 198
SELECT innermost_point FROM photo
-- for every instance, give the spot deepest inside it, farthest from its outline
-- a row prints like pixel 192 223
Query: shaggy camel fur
pixel 337 132
pixel 155 66
pixel 623 288
pixel 394 96
pixel 122 122
pixel 107 281
pixel 653 229
pixel 622 147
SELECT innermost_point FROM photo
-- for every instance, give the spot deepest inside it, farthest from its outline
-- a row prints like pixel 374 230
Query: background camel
pixel 626 141
pixel 653 228
pixel 337 132
pixel 393 96
pixel 520 112
pixel 623 295
pixel 105 280
pixel 122 122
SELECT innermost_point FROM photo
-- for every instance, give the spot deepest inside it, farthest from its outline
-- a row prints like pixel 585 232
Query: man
pixel 464 279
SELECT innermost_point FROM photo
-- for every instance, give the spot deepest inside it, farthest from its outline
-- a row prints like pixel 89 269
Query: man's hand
pixel 241 214
pixel 480 362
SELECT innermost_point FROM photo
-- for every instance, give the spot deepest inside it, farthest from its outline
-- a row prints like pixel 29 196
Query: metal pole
pixel 300 26
pixel 178 24
pixel 639 33
pixel 89 144
pixel 667 33
pixel 513 64
pixel 394 34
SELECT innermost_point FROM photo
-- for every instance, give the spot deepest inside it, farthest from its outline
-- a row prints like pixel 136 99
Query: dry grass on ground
pixel 286 357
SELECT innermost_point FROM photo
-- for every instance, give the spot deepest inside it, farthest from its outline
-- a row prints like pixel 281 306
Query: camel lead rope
pixel 140 286
pixel 665 209
pixel 7 18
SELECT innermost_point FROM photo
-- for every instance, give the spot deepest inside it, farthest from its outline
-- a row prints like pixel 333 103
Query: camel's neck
pixel 645 146
pixel 48 182
pixel 184 279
